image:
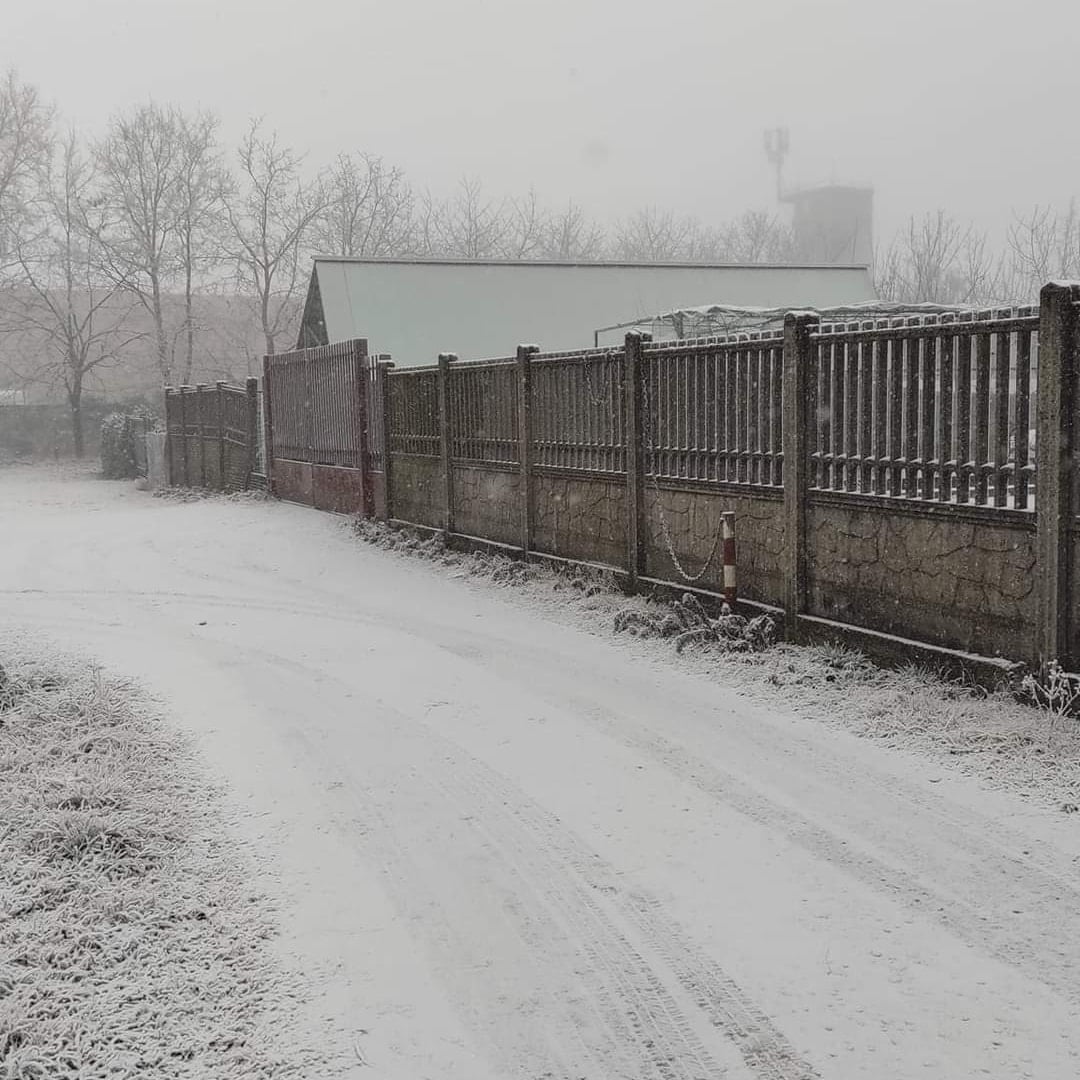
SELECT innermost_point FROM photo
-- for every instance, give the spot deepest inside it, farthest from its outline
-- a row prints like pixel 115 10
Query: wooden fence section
pixel 885 474
pixel 212 436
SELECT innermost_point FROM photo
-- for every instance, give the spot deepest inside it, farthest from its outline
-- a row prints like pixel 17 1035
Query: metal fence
pixel 315 396
pixel 713 409
pixel 931 409
pixel 936 408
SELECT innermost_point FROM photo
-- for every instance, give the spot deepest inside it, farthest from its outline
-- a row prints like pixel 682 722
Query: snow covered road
pixel 507 848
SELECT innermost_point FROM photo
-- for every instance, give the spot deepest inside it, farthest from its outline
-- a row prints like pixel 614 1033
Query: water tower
pixel 833 224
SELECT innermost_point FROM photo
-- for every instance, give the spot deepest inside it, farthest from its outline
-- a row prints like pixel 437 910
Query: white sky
pixel 966 104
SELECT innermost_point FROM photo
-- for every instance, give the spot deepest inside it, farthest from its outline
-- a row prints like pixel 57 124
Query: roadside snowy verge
pixel 993 736
pixel 132 943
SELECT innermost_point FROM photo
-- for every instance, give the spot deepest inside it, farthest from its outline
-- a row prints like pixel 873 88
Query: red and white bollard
pixel 728 526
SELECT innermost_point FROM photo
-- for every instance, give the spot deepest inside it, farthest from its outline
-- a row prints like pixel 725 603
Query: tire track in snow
pixel 763 1047
pixel 585 907
pixel 1039 955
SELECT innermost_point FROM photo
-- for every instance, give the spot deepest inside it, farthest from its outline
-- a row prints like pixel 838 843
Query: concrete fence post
pixel 525 354
pixel 220 385
pixel 796 425
pixel 1055 476
pixel 445 442
pixel 382 403
pixel 251 387
pixel 633 385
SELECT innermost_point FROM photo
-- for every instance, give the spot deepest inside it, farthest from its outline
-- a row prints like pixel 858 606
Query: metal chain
pixel 665 528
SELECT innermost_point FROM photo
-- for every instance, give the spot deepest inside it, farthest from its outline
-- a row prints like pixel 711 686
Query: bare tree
pixel 653 235
pixel 468 226
pixel 199 215
pixel 25 144
pixel 571 237
pixel 757 236
pixel 1043 246
pixel 368 209
pixel 140 159
pixel 270 217
pixel 937 259
pixel 526 224
pixel 61 299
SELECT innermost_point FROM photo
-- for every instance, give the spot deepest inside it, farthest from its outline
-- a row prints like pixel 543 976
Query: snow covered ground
pixel 505 847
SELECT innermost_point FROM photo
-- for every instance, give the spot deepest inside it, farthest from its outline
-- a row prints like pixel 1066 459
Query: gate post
pixel 795 407
pixel 633 381
pixel 268 428
pixel 363 378
pixel 251 387
pixel 1055 507
pixel 525 354
pixel 382 403
pixel 221 433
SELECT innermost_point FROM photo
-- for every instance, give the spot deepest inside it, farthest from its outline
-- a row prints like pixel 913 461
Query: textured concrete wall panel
pixel 962 584
pixel 488 504
pixel 579 518
pixel 692 519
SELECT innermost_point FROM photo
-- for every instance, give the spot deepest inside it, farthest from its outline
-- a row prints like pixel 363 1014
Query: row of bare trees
pixel 938 259
pixel 157 241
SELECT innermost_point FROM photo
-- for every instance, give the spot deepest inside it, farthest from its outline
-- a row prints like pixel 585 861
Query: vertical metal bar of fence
pixel 753 387
pixel 1002 386
pixel 927 387
pixel 945 449
pixel 634 371
pixel 823 413
pixel 964 461
pixel 851 412
pixel 982 414
pixel 911 410
pixel 866 413
pixel 881 414
pixel 1022 421
pixel 798 419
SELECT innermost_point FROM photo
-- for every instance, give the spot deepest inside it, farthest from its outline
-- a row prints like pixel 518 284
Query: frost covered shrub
pixel 118 434
pixel 688 623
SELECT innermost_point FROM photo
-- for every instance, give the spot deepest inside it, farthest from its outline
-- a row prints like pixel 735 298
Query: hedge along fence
pixel 213 436
pixel 881 472
pixel 123 444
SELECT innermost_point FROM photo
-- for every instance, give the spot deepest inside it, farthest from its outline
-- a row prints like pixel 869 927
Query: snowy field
pixel 506 843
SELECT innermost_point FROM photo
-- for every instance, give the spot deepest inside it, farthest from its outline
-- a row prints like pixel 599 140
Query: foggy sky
pixel 955 103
